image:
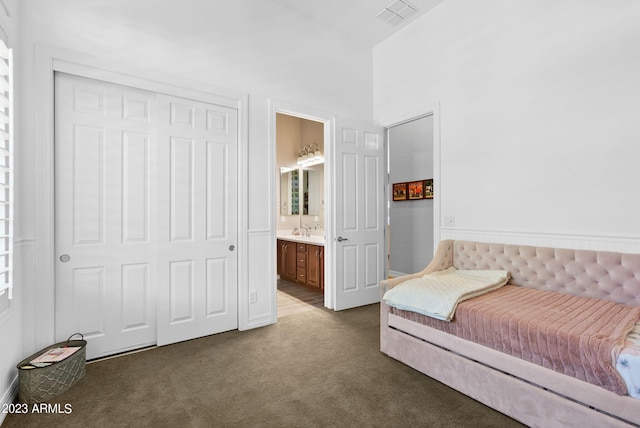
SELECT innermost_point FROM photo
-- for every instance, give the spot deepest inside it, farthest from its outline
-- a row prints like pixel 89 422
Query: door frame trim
pixel 50 60
pixel 427 110
pixel 329 121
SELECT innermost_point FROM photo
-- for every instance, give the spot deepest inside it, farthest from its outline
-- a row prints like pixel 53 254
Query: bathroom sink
pixel 315 240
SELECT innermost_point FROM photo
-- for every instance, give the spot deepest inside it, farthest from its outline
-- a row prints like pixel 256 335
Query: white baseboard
pixel 9 397
pixel 395 273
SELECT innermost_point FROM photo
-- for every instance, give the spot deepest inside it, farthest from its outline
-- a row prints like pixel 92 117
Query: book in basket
pixel 54 355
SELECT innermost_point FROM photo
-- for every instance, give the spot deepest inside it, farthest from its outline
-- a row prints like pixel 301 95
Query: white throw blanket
pixel 437 294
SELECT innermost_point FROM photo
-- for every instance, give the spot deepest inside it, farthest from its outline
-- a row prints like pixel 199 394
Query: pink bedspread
pixel 577 336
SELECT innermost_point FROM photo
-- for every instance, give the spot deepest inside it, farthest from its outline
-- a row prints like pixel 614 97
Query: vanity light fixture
pixel 310 155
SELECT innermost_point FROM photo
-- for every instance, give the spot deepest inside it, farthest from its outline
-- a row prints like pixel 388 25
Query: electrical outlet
pixel 450 221
pixel 253 297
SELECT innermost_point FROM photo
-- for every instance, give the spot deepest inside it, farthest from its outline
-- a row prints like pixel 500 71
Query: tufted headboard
pixel 603 275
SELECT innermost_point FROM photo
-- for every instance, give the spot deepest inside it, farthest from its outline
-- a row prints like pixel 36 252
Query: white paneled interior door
pixel 359 213
pixel 146 216
pixel 197 284
pixel 104 193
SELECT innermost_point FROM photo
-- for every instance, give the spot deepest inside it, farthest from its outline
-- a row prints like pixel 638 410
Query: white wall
pixel 539 105
pixel 241 47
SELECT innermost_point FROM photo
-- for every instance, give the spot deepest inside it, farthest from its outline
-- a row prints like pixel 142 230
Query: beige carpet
pixel 316 368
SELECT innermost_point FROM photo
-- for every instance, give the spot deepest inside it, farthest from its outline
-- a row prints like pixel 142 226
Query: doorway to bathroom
pixel 300 213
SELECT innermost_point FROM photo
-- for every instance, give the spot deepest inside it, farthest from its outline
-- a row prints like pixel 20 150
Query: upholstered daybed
pixel 542 391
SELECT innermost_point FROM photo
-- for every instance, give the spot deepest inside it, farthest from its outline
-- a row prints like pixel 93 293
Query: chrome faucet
pixel 304 229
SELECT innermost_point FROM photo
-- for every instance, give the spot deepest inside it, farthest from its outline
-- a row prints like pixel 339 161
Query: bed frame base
pixel 527 402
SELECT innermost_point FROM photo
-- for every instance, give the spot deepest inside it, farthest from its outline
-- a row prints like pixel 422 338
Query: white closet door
pixel 359 210
pixel 146 216
pixel 105 243
pixel 197 278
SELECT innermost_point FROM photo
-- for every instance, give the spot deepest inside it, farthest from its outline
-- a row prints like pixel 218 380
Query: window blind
pixel 6 170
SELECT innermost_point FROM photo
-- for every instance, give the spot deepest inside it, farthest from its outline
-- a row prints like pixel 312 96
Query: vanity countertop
pixel 313 239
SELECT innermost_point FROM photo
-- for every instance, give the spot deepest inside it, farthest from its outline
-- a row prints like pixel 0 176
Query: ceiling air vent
pixel 397 12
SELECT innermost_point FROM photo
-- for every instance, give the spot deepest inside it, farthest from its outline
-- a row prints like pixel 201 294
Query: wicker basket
pixel 41 384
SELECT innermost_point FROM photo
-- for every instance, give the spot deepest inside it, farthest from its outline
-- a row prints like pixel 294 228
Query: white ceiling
pixel 193 22
pixel 354 19
pixel 288 49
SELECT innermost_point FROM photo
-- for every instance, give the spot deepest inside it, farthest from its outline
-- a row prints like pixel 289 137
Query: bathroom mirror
pixel 311 195
pixel 289 191
pixel 302 190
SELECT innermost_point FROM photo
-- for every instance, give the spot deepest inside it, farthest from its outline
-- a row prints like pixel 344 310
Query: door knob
pixel 340 239
pixel 232 247
pixel 65 258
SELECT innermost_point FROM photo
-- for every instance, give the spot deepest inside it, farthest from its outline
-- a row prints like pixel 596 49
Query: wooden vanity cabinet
pixel 280 256
pixel 322 268
pixel 287 258
pixel 301 264
pixel 313 265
